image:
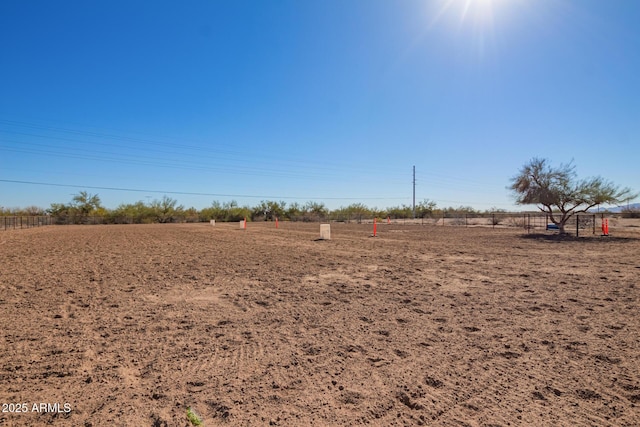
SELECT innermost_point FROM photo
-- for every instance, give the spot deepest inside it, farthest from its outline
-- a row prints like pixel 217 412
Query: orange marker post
pixel 244 225
pixel 375 226
pixel 388 220
pixel 276 222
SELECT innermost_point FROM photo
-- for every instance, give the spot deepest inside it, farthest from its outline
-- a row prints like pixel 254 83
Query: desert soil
pixel 440 326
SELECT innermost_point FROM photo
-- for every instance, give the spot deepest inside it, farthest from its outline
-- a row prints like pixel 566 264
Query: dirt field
pixel 440 326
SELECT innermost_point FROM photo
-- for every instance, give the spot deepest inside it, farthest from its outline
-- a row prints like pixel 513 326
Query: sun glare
pixel 477 20
pixel 478 11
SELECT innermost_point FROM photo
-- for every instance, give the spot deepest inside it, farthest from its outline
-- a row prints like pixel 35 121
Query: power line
pixel 166 163
pixel 126 151
pixel 158 152
pixel 188 193
pixel 173 149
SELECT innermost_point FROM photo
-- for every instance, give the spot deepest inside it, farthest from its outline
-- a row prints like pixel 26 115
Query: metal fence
pixel 77 219
pixel 21 222
pixel 579 224
pixel 119 219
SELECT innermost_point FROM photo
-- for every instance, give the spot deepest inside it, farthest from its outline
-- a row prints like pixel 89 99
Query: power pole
pixel 414 192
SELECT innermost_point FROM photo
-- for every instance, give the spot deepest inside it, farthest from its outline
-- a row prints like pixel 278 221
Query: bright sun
pixel 480 17
pixel 480 12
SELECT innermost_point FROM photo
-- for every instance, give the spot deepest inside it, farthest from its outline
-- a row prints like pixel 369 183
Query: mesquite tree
pixel 85 203
pixel 560 194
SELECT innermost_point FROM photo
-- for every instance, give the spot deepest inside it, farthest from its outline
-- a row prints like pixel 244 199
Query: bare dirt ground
pixel 441 326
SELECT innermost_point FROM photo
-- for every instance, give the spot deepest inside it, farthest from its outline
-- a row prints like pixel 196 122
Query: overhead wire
pixel 189 193
pixel 174 164
pixel 221 160
pixel 181 149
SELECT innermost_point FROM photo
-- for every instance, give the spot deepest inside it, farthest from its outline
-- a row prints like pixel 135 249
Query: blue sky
pixel 326 100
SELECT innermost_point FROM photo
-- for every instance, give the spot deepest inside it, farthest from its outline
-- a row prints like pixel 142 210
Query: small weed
pixel 193 417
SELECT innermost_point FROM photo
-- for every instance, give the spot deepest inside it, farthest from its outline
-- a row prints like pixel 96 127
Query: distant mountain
pixel 621 208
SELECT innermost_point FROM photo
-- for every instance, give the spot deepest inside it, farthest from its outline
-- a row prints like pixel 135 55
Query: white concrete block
pixel 325 231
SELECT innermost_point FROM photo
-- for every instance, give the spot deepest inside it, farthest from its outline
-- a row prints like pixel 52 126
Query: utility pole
pixel 414 192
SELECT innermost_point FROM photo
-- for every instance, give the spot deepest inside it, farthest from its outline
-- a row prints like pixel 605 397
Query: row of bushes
pixel 87 208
